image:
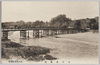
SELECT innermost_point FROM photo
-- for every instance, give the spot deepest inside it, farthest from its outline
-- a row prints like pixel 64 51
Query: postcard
pixel 50 32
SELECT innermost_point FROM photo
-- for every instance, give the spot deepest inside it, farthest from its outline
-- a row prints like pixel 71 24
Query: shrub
pixel 24 52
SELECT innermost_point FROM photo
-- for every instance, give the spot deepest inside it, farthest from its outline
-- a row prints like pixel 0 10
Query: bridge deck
pixel 16 29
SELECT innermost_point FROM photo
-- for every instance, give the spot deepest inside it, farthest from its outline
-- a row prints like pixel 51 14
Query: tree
pixel 38 24
pixel 93 23
pixel 28 24
pixel 77 24
pixel 59 21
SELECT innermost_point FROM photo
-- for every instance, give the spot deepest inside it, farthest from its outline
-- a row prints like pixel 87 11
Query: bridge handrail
pixel 43 28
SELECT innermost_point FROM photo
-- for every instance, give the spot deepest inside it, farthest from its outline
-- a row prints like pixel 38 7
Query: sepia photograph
pixel 50 32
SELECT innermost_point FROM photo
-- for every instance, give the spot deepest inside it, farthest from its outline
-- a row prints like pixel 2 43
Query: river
pixel 80 48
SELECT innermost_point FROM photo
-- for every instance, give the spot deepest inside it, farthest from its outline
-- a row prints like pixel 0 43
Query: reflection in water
pixel 15 37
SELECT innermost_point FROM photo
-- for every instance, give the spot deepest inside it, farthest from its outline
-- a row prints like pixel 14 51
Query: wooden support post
pixel 62 32
pixel 5 35
pixel 28 34
pixel 33 33
pixel 36 33
pixel 45 32
pixel 55 32
pixel 68 31
pixel 23 33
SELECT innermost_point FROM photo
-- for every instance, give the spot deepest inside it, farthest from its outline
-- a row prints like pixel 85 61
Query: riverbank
pixel 12 50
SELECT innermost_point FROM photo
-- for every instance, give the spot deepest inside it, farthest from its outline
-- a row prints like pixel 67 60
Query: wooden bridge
pixel 39 32
pixel 49 28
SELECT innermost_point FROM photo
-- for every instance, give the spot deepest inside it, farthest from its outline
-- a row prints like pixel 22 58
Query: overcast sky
pixel 45 10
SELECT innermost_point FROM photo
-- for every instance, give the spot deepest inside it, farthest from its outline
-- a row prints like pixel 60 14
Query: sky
pixel 46 10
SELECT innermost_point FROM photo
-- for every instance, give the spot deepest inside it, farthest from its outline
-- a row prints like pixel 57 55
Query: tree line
pixel 60 21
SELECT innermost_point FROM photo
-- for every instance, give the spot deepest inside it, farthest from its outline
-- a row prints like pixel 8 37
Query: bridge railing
pixel 43 28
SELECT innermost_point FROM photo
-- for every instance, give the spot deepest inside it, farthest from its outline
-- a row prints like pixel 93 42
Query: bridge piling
pixel 45 32
pixel 5 35
pixel 68 31
pixel 57 32
pixel 64 31
pixel 36 33
pixel 23 33
pixel 73 31
pixel 28 34
pixel 52 32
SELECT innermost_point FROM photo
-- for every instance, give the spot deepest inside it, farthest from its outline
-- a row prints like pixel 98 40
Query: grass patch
pixel 11 45
pixel 24 52
pixel 35 53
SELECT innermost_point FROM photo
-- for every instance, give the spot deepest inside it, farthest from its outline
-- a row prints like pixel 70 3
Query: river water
pixel 80 48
